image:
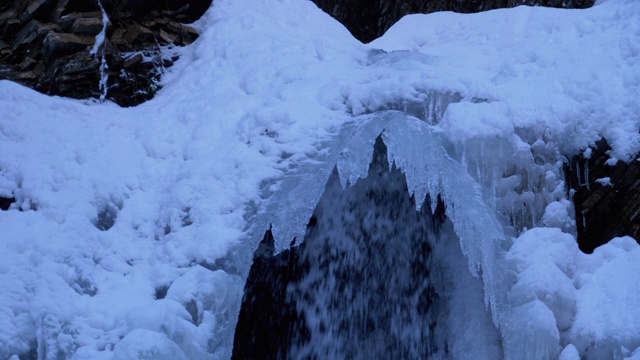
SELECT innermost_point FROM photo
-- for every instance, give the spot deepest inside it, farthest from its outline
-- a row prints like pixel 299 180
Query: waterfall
pixel 373 277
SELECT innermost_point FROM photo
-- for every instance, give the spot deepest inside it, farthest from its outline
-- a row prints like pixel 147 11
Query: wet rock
pixel 138 33
pixel 4 46
pixel 67 21
pixel 58 10
pixel 61 44
pixel 87 26
pixel 45 44
pixel 132 61
pixel 183 34
pixel 6 16
pixel 21 77
pixel 33 6
pixel 27 64
pixel 74 75
pixel 10 28
pixel 168 38
pixel 606 196
pixel 117 36
pixel 29 33
pixel 189 9
pixel 83 6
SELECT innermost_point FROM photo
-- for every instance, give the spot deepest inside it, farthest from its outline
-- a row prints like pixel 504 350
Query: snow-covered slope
pixel 259 109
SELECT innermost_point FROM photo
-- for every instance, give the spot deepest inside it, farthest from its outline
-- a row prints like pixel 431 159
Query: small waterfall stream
pixel 98 46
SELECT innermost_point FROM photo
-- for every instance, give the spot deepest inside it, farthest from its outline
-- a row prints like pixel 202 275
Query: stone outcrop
pixel 357 281
pixel 606 196
pixel 47 45
pixel 369 19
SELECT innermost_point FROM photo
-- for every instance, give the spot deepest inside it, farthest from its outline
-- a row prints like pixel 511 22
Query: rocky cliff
pixel 50 45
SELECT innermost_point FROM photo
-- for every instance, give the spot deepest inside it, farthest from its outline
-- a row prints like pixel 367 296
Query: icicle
pixel 104 76
pixel 586 173
pixel 579 173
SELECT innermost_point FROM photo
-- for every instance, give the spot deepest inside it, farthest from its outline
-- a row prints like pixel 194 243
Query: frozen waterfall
pixel 374 277
pixel 493 190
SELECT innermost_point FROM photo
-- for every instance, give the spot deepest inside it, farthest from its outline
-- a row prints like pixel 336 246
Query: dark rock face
pixel 369 19
pixel 189 10
pixel 357 287
pixel 604 211
pixel 46 45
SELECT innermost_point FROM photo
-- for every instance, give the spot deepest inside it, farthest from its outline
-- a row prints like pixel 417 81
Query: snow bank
pixel 590 300
pixel 177 174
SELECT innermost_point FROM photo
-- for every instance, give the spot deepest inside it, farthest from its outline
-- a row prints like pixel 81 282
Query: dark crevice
pixel 32 354
pixel 76 6
pixel 5 202
pixel 192 309
pixel 106 219
pixel 161 292
pixel 84 286
pixel 107 216
pixel 191 10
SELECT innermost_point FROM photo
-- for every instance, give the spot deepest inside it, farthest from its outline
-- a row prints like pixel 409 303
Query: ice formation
pixel 133 229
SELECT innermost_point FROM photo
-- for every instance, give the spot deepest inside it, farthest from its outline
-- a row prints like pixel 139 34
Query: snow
pixel 608 300
pixel 147 345
pixel 569 353
pixel 591 298
pixel 481 108
pixel 556 214
pixel 605 181
pixel 101 35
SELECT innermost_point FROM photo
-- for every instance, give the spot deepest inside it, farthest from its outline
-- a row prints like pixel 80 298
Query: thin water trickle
pixel 98 46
